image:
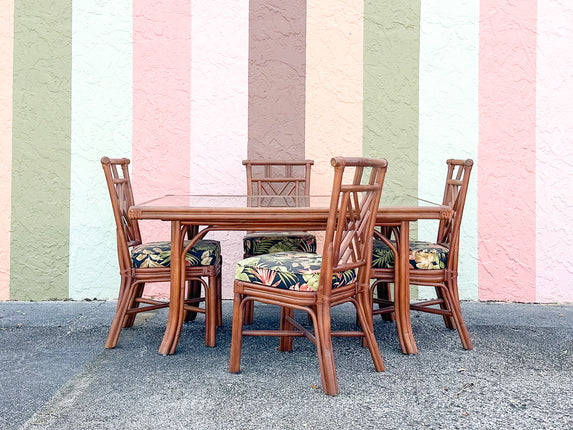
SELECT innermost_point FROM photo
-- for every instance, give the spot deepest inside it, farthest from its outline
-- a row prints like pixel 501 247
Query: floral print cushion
pixel 280 241
pixel 423 255
pixel 158 254
pixel 288 270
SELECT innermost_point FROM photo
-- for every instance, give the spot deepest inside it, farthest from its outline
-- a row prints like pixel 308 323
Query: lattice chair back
pixel 282 181
pixel 353 209
pixel 121 194
pixel 455 192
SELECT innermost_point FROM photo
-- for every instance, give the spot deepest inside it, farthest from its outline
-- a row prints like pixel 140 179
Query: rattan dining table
pixel 197 215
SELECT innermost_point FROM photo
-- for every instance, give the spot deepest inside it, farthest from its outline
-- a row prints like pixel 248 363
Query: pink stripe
pixel 161 106
pixel 161 101
pixel 6 71
pixel 506 152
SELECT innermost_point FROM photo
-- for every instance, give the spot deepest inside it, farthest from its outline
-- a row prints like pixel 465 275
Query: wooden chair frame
pixel 278 178
pixel 133 279
pixel 347 245
pixel 287 179
pixel 445 281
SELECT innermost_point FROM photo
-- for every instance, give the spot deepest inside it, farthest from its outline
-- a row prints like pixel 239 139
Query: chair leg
pixel 463 332
pixel 448 320
pixel 324 350
pixel 368 329
pixel 130 319
pixel 124 285
pixel 120 315
pixel 286 341
pixel 383 292
pixel 249 311
pixel 193 292
pixel 219 301
pixel 237 334
pixel 211 311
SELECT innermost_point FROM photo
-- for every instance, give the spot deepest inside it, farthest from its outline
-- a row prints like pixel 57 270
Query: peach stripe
pixel 334 80
pixel 506 151
pixel 6 71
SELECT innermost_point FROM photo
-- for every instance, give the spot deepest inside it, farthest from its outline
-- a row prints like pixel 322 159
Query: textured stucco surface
pixel 41 150
pixel 6 70
pixel 161 107
pixel 449 47
pixel 101 125
pixel 554 152
pixel 391 68
pixel 219 128
pixel 277 60
pixel 390 108
pixel 334 78
pixel 413 82
pixel 506 171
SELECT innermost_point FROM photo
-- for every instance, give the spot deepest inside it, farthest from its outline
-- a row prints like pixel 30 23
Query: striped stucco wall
pixel 189 89
pixel 553 152
pixel 334 79
pixel 448 116
pixel 41 145
pixel 506 150
pixel 6 74
pixel 101 124
pixel 219 109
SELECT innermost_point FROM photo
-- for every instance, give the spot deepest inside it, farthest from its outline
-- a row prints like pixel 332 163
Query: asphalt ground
pixel 56 374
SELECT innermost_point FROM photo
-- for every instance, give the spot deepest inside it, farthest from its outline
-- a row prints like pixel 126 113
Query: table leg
pixel 402 293
pixel 175 296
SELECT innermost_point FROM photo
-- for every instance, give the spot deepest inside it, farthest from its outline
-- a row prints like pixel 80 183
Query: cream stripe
pixel 6 71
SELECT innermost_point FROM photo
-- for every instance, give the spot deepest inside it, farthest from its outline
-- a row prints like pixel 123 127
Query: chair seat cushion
pixel 270 241
pixel 423 255
pixel 298 271
pixel 158 254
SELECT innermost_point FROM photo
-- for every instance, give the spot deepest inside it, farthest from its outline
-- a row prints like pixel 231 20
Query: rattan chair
pixel 432 264
pixel 315 283
pixel 277 183
pixel 143 263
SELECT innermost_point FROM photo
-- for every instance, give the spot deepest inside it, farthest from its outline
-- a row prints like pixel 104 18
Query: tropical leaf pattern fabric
pixel 271 242
pixel 298 271
pixel 158 254
pixel 423 255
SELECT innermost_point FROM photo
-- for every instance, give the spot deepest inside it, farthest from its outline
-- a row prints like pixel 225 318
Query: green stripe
pixel 391 82
pixel 391 86
pixel 41 149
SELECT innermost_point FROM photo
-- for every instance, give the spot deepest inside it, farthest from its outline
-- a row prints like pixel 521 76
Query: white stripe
pixel 219 109
pixel 554 152
pixel 449 43
pixel 101 125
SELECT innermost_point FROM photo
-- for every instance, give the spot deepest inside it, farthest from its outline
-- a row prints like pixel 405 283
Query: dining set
pixel 302 252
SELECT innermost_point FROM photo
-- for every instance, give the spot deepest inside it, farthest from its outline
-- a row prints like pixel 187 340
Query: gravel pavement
pixel 56 374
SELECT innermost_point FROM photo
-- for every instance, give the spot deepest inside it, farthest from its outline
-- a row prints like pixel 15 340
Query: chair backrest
pixel 121 194
pixel 283 181
pixel 351 220
pixel 456 189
